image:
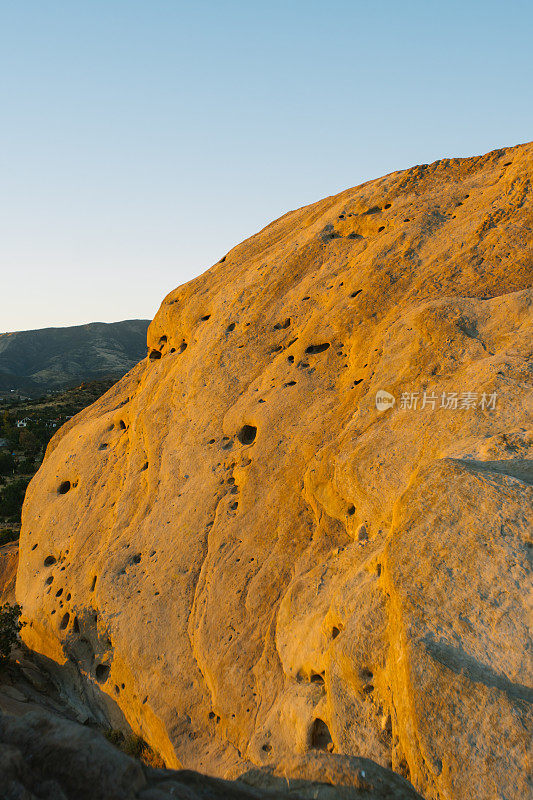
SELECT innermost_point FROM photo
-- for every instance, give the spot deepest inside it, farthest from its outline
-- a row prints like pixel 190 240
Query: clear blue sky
pixel 140 141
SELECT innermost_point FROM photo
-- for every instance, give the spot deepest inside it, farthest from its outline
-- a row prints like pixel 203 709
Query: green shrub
pixel 115 736
pixel 10 626
pixel 12 497
pixel 7 536
pixel 7 463
pixel 135 746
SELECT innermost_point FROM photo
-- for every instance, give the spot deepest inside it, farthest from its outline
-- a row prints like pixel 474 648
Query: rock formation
pixel 237 554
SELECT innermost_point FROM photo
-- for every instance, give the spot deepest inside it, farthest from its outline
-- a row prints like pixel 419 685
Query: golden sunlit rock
pixel 247 560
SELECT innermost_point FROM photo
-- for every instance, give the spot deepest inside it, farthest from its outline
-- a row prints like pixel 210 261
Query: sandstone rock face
pixel 248 561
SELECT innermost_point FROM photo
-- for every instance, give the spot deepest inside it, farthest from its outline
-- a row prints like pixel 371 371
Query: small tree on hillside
pixel 28 442
pixel 12 497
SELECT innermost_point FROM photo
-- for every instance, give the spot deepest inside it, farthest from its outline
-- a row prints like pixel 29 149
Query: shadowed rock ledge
pixel 43 757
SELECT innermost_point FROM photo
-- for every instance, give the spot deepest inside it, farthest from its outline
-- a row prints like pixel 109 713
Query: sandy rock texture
pixel 238 555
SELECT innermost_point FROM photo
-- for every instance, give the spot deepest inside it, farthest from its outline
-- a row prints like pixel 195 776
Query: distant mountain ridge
pixel 55 358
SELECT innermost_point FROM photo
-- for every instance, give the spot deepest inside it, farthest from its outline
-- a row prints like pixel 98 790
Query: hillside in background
pixel 56 358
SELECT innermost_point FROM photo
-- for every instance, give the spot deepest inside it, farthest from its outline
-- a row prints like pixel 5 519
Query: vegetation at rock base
pixel 10 626
pixel 134 746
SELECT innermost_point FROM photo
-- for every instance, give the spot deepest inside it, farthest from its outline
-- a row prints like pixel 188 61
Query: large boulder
pixel 239 555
